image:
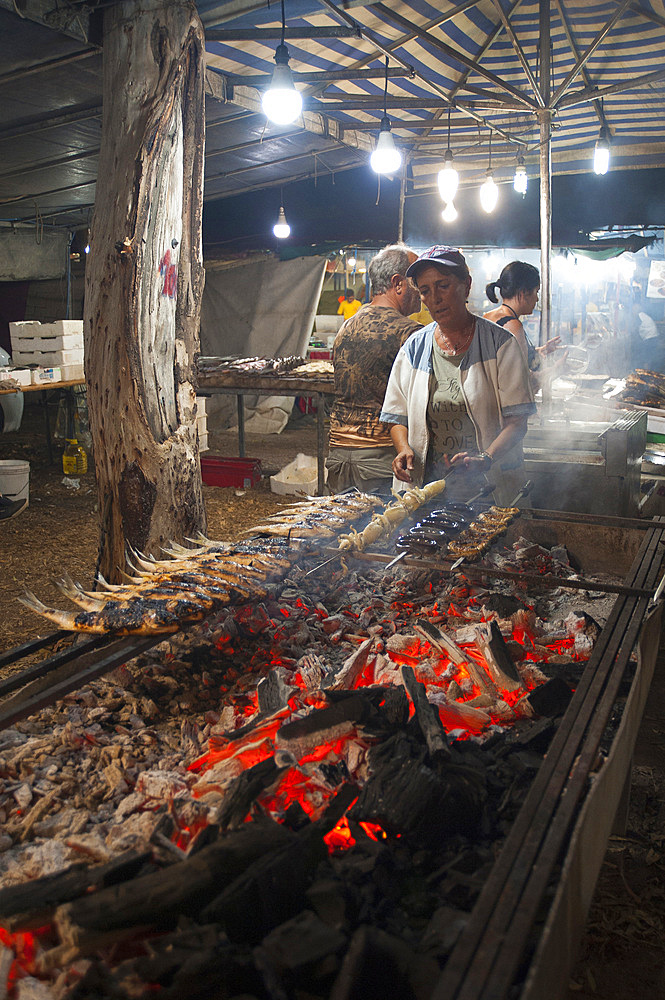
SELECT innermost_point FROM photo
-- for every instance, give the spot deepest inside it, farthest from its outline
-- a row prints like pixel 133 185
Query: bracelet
pixel 488 458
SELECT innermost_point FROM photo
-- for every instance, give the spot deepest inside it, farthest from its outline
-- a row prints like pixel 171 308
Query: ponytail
pixel 489 291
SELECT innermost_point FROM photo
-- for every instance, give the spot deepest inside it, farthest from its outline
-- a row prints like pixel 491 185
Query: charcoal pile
pixel 301 796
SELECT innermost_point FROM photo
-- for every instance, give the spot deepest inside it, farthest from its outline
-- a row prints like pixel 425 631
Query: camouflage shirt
pixel 363 356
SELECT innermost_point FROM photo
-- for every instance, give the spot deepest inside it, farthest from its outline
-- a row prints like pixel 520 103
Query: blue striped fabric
pixel 632 47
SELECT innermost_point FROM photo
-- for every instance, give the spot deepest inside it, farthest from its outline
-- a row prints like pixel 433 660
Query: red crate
pixel 219 471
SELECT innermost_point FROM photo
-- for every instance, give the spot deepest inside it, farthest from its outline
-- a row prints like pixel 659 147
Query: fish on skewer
pixel 140 616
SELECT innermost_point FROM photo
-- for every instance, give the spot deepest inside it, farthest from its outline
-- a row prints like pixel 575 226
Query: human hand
pixel 464 460
pixel 403 465
pixel 550 346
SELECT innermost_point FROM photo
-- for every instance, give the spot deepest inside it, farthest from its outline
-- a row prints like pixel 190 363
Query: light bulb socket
pixel 281 56
pixel 385 124
pixel 448 157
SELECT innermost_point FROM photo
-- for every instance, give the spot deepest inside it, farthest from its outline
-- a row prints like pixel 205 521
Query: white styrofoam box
pixel 22 375
pixel 202 421
pixel 65 342
pixel 47 359
pixel 41 376
pixel 203 442
pixel 201 405
pixel 299 476
pixel 71 372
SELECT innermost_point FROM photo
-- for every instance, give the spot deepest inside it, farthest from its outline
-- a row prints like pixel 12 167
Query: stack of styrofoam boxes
pixel 202 422
pixel 56 348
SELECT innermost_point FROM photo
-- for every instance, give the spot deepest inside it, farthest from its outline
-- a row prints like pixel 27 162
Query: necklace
pixel 447 345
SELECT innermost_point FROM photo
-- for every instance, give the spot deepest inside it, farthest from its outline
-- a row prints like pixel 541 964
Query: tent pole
pixel 545 119
pixel 400 221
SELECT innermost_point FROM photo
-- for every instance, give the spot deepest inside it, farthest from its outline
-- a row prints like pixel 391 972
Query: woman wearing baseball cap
pixel 458 396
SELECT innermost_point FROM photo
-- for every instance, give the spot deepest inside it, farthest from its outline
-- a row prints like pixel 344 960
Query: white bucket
pixel 14 479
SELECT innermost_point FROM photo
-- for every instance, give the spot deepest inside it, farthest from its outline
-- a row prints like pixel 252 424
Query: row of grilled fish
pixel 161 595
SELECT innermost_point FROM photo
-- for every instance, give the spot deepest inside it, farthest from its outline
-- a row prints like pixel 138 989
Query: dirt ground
pixel 622 955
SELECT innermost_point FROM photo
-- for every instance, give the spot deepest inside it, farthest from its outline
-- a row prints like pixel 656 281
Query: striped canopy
pixel 464 76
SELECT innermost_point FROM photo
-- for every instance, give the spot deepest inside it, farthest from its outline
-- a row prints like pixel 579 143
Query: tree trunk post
pixel 144 279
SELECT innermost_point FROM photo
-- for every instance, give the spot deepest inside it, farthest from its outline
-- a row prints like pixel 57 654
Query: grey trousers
pixel 368 469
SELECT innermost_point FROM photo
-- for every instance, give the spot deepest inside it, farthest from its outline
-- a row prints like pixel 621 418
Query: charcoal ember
pixel 443 931
pixel 378 964
pixel 273 692
pixel 412 799
pixel 329 898
pixel 551 698
pixel 504 605
pixel 302 943
pixel 395 706
pixel 267 893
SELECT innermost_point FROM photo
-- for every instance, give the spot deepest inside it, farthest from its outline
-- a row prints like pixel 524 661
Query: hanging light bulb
pixel 449 213
pixel 448 178
pixel 520 180
pixel 386 158
pixel 281 229
pixel 489 193
pixel 281 102
pixel 601 153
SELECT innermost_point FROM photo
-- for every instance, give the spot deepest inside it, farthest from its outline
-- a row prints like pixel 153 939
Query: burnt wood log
pixel 156 900
pixel 30 904
pixel 426 715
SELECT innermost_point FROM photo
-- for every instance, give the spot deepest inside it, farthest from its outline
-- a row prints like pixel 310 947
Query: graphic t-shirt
pixel 449 425
pixel 363 355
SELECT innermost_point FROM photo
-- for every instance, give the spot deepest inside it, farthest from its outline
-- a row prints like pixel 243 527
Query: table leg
pixel 320 407
pixel 47 427
pixel 241 426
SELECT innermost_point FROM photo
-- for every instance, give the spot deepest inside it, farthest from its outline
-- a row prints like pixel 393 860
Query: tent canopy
pixel 463 75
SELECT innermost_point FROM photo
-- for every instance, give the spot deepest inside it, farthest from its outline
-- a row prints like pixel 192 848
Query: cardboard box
pixel 241 472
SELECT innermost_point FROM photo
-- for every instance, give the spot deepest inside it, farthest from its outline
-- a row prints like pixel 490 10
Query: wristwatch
pixel 488 458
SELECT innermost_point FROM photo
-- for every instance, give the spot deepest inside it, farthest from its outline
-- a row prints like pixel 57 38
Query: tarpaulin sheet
pixel 260 309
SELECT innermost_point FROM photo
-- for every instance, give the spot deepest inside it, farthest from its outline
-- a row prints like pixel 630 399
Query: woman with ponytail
pixel 518 285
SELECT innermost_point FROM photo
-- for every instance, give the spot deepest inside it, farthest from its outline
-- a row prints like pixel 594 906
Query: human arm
pixel 403 460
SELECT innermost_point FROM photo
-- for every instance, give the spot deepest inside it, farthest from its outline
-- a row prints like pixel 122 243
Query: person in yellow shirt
pixel 349 305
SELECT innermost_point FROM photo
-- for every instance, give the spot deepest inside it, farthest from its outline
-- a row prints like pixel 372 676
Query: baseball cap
pixel 445 256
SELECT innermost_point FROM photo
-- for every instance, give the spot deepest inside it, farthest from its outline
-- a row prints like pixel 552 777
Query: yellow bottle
pixel 74 459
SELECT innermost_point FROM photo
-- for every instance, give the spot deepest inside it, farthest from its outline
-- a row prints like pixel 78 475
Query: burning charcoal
pixel 395 706
pixel 551 698
pixel 352 668
pixel 312 670
pixel 499 662
pixel 159 898
pixel 273 693
pixel 245 790
pixel 427 716
pixel 295 817
pixel 456 715
pixel 378 964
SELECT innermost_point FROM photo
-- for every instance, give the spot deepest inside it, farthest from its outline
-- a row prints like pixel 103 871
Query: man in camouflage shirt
pixel 361 450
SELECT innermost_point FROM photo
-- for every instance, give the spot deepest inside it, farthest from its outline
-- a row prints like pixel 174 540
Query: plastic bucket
pixel 14 479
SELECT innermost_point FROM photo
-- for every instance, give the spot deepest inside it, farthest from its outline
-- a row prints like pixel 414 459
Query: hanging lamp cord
pixel 283 22
pixel 385 92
